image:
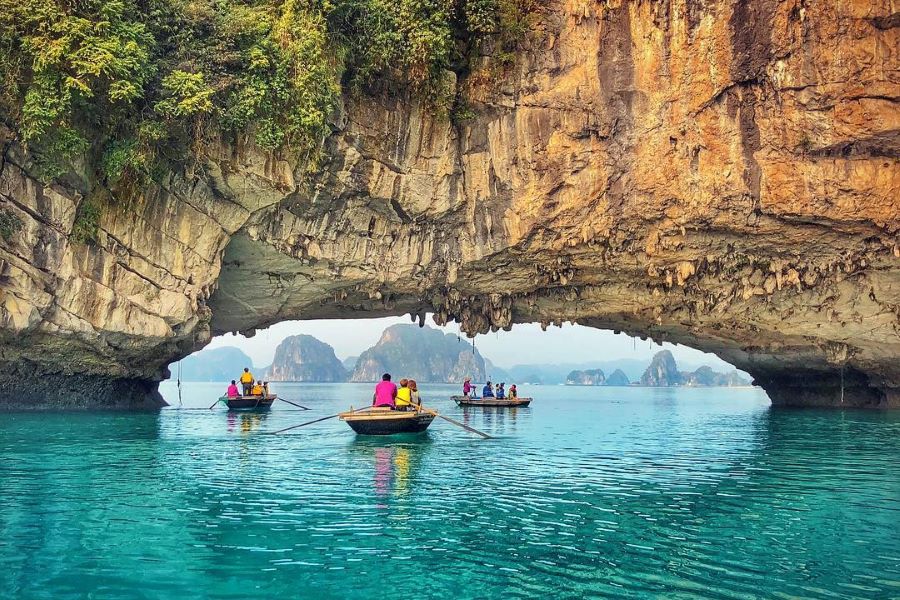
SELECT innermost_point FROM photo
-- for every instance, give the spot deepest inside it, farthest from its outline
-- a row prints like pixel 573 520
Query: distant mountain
pixel 305 358
pixel 662 371
pixel 706 376
pixel 350 363
pixel 420 353
pixel 214 364
pixel 558 373
pixel 618 378
pixel 587 377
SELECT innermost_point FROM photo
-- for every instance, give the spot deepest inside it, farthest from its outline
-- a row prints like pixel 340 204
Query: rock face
pixel 426 355
pixel 588 377
pixel 723 174
pixel 705 376
pixel 662 371
pixel 214 364
pixel 618 378
pixel 305 358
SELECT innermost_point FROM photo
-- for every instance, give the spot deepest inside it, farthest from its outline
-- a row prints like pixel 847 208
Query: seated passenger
pixel 233 390
pixel 403 399
pixel 488 391
pixel 501 393
pixel 513 392
pixel 385 392
pixel 257 389
pixel 265 388
pixel 414 398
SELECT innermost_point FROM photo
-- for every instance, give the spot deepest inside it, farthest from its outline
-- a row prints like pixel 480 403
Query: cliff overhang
pixel 721 175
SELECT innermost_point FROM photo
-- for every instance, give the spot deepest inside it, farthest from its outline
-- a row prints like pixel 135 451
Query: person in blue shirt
pixel 488 391
pixel 501 392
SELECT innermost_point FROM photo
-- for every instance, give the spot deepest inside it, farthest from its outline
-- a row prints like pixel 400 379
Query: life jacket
pixel 403 396
pixel 246 377
pixel 257 390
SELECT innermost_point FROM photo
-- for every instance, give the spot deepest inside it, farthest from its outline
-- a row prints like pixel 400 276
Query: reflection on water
pixel 587 493
pixel 245 422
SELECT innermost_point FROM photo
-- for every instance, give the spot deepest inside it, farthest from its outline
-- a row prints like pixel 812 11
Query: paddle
pixel 295 404
pixel 457 423
pixel 214 403
pixel 314 421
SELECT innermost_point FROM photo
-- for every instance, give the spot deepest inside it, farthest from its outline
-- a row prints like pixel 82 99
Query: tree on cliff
pixel 124 83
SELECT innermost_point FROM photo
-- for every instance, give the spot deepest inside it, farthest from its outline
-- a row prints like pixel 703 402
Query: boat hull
pixel 387 422
pixel 495 402
pixel 250 402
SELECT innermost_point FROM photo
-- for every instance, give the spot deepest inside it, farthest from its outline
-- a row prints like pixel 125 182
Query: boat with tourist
pixel 386 421
pixel 489 401
pixel 249 402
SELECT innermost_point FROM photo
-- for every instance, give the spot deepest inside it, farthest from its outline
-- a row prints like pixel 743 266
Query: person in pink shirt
pixel 385 392
pixel 233 390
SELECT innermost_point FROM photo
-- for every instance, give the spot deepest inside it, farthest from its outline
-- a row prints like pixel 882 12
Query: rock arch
pixel 680 172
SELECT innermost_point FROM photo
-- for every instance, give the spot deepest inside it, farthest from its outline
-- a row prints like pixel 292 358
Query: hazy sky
pixel 524 344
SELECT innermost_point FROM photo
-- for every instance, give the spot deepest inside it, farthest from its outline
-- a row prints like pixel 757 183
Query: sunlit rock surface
pixel 721 174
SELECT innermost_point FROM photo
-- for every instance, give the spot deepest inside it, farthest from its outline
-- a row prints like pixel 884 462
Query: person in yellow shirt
pixel 257 390
pixel 403 399
pixel 247 381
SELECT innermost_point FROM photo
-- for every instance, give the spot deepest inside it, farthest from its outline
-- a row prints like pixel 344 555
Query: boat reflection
pixel 394 467
pixel 245 422
pixel 495 420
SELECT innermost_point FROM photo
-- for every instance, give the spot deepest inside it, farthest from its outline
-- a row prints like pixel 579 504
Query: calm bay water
pixel 589 493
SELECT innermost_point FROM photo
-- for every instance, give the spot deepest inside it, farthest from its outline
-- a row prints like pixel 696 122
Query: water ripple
pixel 588 494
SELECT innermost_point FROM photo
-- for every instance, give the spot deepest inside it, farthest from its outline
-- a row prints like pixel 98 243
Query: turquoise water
pixel 590 493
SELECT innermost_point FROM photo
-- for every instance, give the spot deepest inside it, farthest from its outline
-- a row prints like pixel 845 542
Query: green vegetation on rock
pixel 10 224
pixel 126 83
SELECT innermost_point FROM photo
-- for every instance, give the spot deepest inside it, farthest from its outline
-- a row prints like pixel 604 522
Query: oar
pixel 314 421
pixel 295 404
pixel 214 403
pixel 457 423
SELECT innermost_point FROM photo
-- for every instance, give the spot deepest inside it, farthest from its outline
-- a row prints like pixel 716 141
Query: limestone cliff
pixel 722 174
pixel 586 377
pixel 305 358
pixel 618 378
pixel 662 371
pixel 426 355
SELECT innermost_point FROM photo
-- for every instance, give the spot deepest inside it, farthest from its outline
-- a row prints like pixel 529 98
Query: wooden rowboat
pixel 384 421
pixel 498 402
pixel 249 402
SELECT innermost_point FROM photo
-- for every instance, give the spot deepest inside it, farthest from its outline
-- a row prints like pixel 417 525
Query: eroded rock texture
pixel 722 174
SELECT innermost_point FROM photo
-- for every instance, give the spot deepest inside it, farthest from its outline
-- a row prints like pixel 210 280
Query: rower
pixel 247 381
